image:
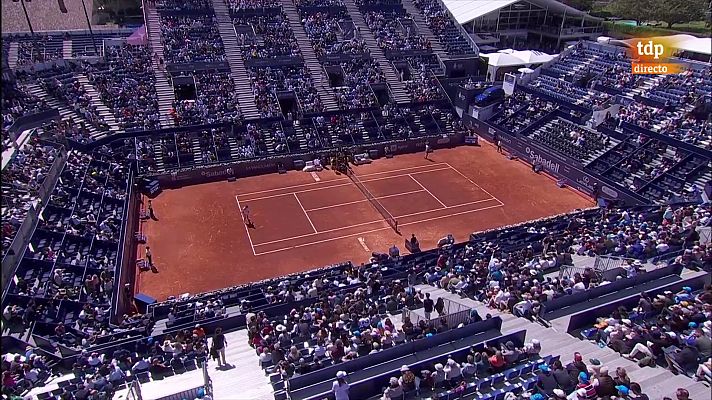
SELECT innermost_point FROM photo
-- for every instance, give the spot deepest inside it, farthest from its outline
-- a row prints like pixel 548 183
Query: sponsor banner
pixel 556 165
pixel 258 167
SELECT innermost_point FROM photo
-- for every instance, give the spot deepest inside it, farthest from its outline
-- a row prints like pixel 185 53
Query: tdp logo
pixel 651 56
pixel 650 49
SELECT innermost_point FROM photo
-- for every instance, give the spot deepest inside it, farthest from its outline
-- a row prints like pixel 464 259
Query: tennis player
pixel 428 150
pixel 246 215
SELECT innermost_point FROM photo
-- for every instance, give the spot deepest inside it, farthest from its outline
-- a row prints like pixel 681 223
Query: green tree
pixel 583 5
pixel 678 11
pixel 636 10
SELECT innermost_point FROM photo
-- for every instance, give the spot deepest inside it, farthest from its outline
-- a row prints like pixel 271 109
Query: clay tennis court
pixel 307 220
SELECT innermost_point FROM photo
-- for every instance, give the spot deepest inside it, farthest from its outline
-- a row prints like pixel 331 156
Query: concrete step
pixel 66 111
pixel 67 49
pixel 102 108
pixel 246 101
pixel 311 61
pixel 377 53
pixel 13 54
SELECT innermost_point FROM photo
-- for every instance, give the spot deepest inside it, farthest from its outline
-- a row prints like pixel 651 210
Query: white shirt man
pixel 579 287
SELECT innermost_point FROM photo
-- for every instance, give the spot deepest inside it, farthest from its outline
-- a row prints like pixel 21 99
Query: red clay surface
pixel 200 242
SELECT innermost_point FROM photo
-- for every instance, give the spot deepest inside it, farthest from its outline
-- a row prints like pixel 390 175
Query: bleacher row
pixel 621 150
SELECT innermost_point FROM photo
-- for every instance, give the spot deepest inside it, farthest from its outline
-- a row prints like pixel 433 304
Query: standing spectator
pixel 340 387
pixel 440 306
pixel 219 344
pixel 428 306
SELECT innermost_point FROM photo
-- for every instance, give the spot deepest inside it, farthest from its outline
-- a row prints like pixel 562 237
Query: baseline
pixel 247 229
pixel 348 183
pixel 361 232
pixel 341 179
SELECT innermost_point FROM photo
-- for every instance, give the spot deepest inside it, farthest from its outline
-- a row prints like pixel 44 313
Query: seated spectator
pixel 546 383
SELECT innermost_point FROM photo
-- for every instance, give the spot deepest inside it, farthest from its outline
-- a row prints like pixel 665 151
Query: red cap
pixel 578 357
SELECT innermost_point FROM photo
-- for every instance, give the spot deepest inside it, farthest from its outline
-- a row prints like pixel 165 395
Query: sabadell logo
pixel 546 163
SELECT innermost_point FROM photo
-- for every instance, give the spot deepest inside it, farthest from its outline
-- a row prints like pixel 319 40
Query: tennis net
pixel 390 219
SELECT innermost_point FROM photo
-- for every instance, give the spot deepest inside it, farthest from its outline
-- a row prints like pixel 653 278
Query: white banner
pixel 510 81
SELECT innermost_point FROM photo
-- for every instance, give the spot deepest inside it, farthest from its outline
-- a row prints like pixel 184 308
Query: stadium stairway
pixel 158 156
pixel 164 89
pixel 13 54
pixel 166 97
pixel 65 112
pixel 67 49
pixel 310 60
pixel 240 77
pixel 424 29
pixel 101 107
pixel 242 380
pixel 392 78
pixel 656 382
pixel 301 136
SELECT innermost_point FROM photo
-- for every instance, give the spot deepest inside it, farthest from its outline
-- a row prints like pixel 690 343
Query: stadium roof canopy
pixel 509 57
pixel 466 11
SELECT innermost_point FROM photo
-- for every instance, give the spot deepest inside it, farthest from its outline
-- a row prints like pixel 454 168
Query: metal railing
pixel 601 264
pixel 453 314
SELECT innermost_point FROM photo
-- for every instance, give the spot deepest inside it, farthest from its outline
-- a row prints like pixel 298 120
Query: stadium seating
pixel 191 38
pixel 568 138
pixel 64 294
pixel 443 26
pixel 126 85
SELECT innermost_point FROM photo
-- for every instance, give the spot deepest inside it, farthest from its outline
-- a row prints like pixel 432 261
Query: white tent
pixel 513 58
pixel 503 59
pixel 465 11
pixel 695 44
pixel 509 57
pixel 534 57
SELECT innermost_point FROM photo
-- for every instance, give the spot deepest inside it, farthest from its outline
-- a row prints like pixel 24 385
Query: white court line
pixel 402 169
pixel 362 241
pixel 339 185
pixel 247 230
pixel 367 223
pixel 363 201
pixel 429 192
pixel 337 180
pixel 325 231
pixel 305 213
pixel 315 176
pixel 478 186
pixel 439 209
pixel 373 230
